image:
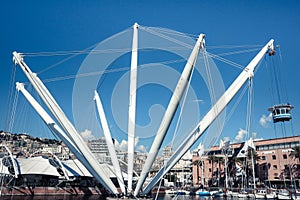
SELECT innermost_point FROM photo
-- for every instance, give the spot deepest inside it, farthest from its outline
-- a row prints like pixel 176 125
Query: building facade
pixel 274 164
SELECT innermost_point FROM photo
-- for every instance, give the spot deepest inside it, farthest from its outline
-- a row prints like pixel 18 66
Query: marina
pixel 109 180
pixel 151 113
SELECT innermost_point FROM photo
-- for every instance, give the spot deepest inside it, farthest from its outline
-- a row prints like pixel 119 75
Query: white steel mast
pixel 91 162
pixel 48 120
pixel 170 112
pixel 213 113
pixel 109 142
pixel 14 162
pixel 132 106
pixel 52 124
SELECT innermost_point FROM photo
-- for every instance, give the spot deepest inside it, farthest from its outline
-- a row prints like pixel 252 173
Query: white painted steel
pixel 109 142
pixel 132 106
pixel 214 112
pixel 90 161
pixel 170 112
pixel 12 160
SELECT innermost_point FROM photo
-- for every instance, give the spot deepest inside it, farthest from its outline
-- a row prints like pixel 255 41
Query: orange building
pixel 274 164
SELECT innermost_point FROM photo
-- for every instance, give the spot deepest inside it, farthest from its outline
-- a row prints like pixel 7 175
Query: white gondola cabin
pixel 281 113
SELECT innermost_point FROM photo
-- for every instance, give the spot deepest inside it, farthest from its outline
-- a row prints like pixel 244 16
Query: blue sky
pixel 42 26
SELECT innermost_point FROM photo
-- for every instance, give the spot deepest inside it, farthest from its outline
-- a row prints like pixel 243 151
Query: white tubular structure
pixel 132 106
pixel 54 128
pixel 109 142
pixel 57 159
pixel 170 112
pixel 90 161
pixel 214 112
pixel 12 160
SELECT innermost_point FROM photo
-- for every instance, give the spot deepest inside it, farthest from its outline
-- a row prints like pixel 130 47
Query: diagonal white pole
pixel 48 120
pixel 51 124
pixel 90 161
pixel 13 160
pixel 132 106
pixel 170 112
pixel 213 113
pixel 109 142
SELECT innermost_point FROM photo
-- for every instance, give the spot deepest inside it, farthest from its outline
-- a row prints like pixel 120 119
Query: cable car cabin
pixel 281 112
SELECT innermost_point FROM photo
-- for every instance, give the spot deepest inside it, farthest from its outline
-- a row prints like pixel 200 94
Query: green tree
pixel 295 153
pixel 197 163
pixel 212 158
pixel 295 168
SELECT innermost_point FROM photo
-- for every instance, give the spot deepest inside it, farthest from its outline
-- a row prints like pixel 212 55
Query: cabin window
pixel 274 157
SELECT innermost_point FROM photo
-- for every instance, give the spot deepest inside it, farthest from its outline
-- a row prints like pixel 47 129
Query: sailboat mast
pixel 132 106
pixel 253 169
pixel 202 172
pixel 109 142
pixel 226 168
pixel 170 112
pixel 210 116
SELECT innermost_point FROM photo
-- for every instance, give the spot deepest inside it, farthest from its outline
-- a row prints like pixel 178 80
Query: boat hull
pixel 41 191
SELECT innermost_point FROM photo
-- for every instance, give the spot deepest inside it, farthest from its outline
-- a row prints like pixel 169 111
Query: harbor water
pixel 94 197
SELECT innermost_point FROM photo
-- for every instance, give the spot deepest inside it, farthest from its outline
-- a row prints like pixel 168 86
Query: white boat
pixel 203 192
pixel 260 194
pixel 171 191
pixel 182 192
pixel 296 195
pixel 271 194
pixel 232 194
pixel 284 194
pixel 219 194
pixel 243 194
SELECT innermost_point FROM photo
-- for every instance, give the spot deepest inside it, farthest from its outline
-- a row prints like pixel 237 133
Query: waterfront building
pixel 274 164
pixel 180 175
pixel 100 150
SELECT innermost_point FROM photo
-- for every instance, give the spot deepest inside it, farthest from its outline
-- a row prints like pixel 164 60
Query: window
pixel 284 156
pixel 274 157
pixel 209 169
pixel 263 157
pixel 274 167
pixel 286 167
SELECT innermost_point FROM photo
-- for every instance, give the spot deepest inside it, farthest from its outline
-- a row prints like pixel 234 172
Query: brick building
pixel 274 164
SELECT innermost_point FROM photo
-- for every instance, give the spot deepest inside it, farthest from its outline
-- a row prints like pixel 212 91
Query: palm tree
pixel 197 163
pixel 220 161
pixel 244 161
pixel 295 154
pixel 232 168
pixel 212 158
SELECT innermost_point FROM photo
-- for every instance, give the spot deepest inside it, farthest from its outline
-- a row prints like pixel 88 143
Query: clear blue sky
pixel 39 26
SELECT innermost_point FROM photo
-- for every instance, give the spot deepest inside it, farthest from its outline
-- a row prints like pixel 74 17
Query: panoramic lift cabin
pixel 281 113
